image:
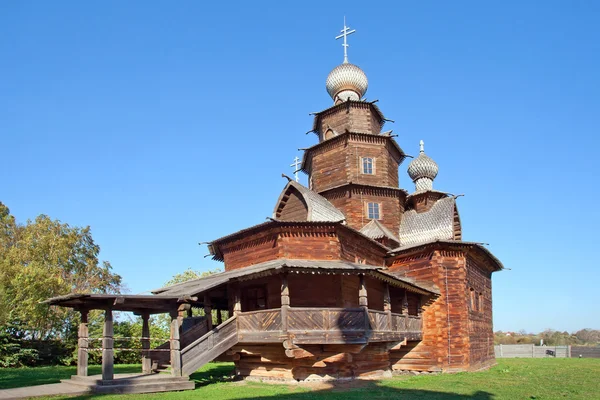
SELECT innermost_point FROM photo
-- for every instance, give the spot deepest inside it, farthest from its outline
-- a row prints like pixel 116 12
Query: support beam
pixel 219 316
pixel 285 301
pixel 363 302
pixel 108 356
pixel 175 345
pixel 362 292
pixel 146 361
pixel 208 311
pixel 387 304
pixel 237 300
pixel 82 344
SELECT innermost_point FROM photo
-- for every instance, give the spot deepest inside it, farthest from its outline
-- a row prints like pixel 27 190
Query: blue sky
pixel 165 124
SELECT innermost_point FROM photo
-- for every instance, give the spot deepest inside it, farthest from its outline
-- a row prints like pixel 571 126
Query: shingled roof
pixel 435 224
pixel 319 208
pixel 197 286
pixel 376 230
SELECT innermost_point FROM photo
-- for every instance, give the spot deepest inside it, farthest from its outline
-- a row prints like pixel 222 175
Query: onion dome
pixel 346 81
pixel 423 170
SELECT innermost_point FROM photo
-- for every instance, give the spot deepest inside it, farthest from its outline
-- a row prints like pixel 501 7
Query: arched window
pixel 329 133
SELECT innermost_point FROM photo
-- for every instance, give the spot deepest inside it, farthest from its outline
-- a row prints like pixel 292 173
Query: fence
pixel 585 352
pixel 532 351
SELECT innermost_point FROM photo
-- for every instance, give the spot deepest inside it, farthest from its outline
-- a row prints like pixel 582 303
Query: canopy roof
pixel 197 286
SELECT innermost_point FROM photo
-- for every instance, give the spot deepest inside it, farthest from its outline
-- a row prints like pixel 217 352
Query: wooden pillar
pixel 82 344
pixel 285 301
pixel 363 302
pixel 387 305
pixel 208 311
pixel 175 344
pixel 237 300
pixel 146 361
pixel 108 356
pixel 362 292
pixel 189 313
pixel 219 316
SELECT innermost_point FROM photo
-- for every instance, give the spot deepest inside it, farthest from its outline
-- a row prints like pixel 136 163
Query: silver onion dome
pixel 423 170
pixel 346 81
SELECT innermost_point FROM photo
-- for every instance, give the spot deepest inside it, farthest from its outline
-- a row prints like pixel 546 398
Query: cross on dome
pixel 345 32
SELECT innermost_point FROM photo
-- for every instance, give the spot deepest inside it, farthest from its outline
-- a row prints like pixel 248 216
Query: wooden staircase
pixel 209 346
pixel 199 346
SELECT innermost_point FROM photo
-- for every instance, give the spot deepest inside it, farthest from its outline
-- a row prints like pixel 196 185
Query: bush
pixel 12 354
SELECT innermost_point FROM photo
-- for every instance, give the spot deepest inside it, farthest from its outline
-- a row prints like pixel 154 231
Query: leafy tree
pixel 42 259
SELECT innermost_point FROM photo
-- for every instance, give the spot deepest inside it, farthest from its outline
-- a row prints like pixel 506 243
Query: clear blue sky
pixel 165 124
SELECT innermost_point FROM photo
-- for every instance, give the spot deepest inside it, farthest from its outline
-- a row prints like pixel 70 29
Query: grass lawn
pixel 511 379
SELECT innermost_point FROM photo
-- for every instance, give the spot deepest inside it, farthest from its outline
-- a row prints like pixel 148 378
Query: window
pixel 473 305
pixel 480 302
pixel 373 210
pixel 368 165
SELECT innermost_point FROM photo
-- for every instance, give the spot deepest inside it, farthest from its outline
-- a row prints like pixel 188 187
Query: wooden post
pixel 387 304
pixel 285 301
pixel 108 356
pixel 82 345
pixel 219 316
pixel 208 311
pixel 363 302
pixel 175 345
pixel 146 361
pixel 237 300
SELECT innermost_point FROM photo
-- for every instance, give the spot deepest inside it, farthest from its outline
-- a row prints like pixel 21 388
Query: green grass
pixel 510 379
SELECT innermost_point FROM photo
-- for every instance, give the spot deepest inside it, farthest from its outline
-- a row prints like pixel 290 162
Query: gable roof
pixel 434 224
pixel 376 230
pixel 319 208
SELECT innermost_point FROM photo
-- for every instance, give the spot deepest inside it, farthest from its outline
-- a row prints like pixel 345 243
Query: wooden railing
pixel 161 356
pixel 209 346
pixel 260 321
pixel 379 320
pixel 326 319
pixel 406 323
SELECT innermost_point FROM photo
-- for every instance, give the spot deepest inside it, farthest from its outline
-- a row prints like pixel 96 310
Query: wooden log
pixel 208 311
pixel 146 361
pixel 107 347
pixel 175 346
pixel 83 344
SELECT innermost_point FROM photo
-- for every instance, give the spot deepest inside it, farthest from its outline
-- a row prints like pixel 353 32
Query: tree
pixel 42 259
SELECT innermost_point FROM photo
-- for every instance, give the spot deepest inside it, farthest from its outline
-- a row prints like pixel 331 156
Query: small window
pixel 373 210
pixel 368 165
pixel 473 305
pixel 480 302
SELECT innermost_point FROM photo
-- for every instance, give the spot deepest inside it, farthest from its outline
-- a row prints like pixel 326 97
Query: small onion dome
pixel 423 170
pixel 346 81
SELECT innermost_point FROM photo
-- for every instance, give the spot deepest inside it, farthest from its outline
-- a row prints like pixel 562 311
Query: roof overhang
pixel 120 302
pixel 478 248
pixel 196 287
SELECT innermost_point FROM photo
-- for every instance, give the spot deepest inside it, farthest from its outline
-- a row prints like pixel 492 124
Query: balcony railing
pixel 327 325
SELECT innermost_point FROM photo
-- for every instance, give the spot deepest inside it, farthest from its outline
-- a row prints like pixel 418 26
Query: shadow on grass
pixel 219 373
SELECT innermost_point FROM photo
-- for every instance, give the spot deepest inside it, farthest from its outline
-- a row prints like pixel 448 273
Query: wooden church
pixel 352 277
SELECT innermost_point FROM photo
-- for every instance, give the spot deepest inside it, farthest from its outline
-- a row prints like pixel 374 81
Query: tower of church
pixel 355 164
